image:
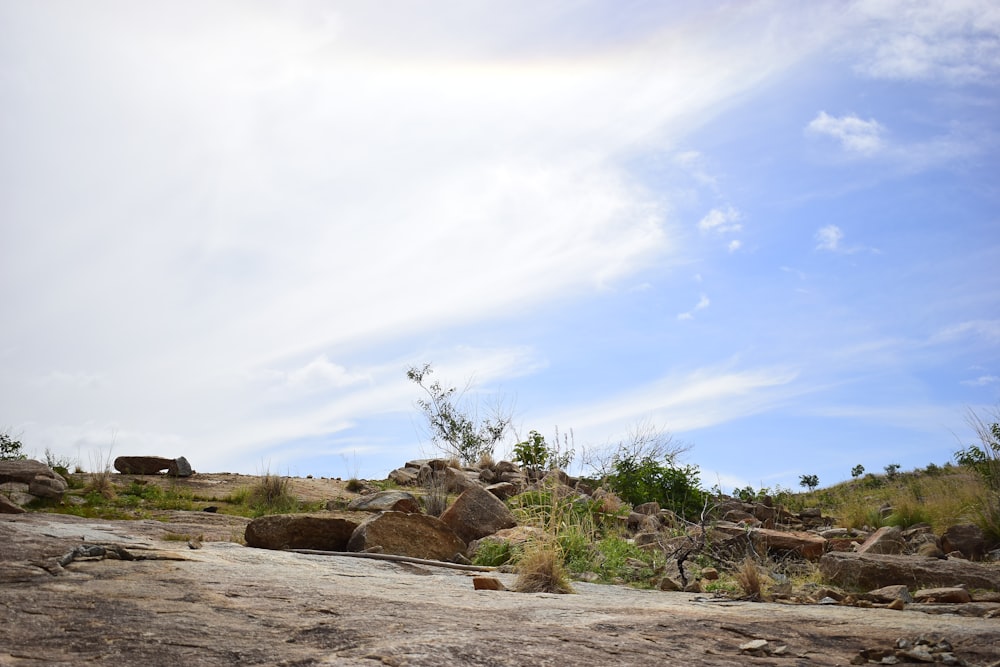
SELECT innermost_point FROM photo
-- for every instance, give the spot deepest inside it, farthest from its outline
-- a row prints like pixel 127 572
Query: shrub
pixel 494 552
pixel 984 458
pixel 10 449
pixel 810 481
pixel 536 455
pixel 677 488
pixel 857 471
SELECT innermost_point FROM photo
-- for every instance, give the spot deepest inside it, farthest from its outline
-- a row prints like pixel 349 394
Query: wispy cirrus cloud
pixel 856 136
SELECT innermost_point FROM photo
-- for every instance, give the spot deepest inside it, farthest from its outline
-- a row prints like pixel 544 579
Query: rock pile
pixel 22 482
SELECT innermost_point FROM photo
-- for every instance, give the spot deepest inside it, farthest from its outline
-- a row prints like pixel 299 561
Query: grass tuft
pixel 541 570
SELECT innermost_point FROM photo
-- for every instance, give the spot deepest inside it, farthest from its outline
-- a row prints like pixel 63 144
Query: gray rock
pixel 386 501
pixel 868 571
pixel 180 467
pixel 8 506
pixel 48 486
pixel 890 593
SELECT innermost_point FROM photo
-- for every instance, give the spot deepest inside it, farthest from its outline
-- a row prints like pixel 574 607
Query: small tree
pixel 809 481
pixel 857 471
pixel 10 449
pixel 454 428
pixel 892 470
pixel 536 455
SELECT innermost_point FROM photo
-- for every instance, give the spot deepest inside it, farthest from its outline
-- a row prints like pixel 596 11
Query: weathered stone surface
pixel 885 540
pixel 416 535
pixel 477 513
pixel 8 506
pixel 806 545
pixel 404 476
pixel 180 467
pixel 328 531
pixel 949 594
pixel 48 486
pixel 386 501
pixel 230 605
pixel 890 593
pixel 456 480
pixel 142 465
pixel 502 490
pixel 965 538
pixel 868 571
pixel 25 471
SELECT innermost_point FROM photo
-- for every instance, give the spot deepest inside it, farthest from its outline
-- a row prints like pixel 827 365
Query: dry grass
pixel 541 570
pixel 748 578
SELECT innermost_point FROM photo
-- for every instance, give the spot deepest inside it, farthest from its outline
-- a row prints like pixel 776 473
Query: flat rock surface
pixel 226 604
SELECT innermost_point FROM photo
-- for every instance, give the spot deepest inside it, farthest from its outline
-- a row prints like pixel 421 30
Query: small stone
pixel 487 584
pixel 897 605
pixel 754 645
pixel 916 654
pixel 709 574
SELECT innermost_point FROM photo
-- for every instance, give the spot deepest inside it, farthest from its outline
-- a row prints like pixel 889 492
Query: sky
pixel 770 229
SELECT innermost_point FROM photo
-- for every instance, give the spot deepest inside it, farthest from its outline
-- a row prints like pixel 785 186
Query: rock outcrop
pixel 41 480
pixel 868 571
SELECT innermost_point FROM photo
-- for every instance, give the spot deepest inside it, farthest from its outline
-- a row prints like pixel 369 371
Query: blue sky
pixel 771 229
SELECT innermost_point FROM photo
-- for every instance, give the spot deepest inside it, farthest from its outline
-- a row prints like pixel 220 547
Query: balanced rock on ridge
pixel 142 465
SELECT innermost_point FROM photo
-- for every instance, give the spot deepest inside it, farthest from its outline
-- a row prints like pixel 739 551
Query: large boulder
pixel 868 571
pixel 48 486
pixel 403 534
pixel 42 481
pixel 477 513
pixel 142 465
pixel 386 501
pixel 328 531
pixel 967 539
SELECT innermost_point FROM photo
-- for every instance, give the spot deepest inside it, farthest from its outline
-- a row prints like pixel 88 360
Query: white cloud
pixel 988 330
pixel 686 402
pixel 861 137
pixel 321 373
pixel 721 221
pixel 702 304
pixel 829 238
pixel 954 42
pixel 982 381
pixel 735 245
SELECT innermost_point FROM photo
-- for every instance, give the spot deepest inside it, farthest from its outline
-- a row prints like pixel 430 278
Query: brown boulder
pixel 386 501
pixel 142 465
pixel 965 538
pixel 477 513
pixel 328 531
pixel 48 486
pixel 868 571
pixel 416 535
pixel 885 540
pixel 42 481
pixel 950 594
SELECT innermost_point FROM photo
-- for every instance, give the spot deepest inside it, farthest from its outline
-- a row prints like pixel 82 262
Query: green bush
pixel 641 480
pixel 10 449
